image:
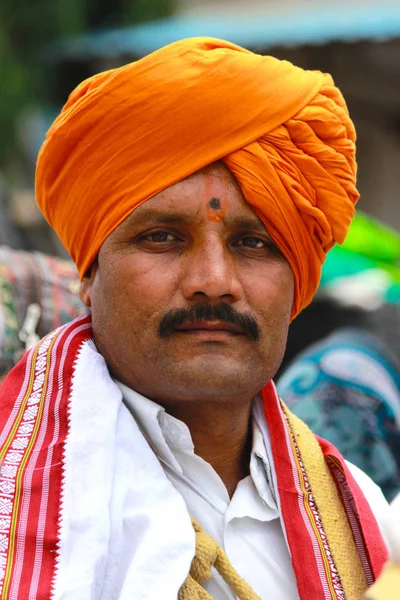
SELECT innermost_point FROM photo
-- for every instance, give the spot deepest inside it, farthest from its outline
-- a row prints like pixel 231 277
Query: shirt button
pixel 173 433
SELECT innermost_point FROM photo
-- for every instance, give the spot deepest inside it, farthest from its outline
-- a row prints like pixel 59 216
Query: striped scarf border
pixel 323 574
pixel 328 573
pixel 351 511
pixel 32 445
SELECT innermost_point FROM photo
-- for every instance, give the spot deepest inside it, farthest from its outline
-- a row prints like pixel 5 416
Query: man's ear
pixel 86 286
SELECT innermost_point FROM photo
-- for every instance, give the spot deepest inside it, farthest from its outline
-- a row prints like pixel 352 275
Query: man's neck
pixel 221 436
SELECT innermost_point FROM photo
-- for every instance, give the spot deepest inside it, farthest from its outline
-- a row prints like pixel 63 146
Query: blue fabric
pixel 347 389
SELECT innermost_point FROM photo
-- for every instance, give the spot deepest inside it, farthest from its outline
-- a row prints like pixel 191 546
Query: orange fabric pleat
pixel 126 134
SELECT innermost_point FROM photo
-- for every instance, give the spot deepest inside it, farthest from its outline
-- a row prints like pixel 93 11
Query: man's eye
pixel 252 242
pixel 160 237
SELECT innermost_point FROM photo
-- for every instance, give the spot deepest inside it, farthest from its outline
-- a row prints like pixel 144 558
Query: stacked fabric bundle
pixel 37 294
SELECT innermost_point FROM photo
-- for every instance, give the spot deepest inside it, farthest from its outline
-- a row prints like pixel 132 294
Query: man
pixel 198 191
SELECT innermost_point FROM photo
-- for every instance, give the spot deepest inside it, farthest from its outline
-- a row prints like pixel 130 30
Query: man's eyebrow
pixel 246 223
pixel 165 217
pixel 159 217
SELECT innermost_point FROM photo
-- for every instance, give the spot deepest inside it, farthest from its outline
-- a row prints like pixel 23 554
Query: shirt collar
pixel 260 463
pixel 165 434
pixel 151 418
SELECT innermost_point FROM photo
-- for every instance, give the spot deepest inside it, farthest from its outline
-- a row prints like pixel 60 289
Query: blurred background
pixel 48 46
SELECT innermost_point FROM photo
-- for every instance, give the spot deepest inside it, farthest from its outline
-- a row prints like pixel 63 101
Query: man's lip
pixel 210 326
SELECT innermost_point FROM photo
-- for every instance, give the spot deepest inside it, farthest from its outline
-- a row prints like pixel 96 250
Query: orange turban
pixel 129 133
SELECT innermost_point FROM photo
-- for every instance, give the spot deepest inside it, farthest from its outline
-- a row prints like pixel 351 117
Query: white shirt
pixel 247 526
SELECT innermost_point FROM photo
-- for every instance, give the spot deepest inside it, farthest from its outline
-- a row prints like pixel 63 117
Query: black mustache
pixel 209 312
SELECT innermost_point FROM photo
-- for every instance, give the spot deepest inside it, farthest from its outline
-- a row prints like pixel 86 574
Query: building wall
pixel 219 7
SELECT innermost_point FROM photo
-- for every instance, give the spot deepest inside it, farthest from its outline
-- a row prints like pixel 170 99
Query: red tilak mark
pixel 215 192
pixel 216 209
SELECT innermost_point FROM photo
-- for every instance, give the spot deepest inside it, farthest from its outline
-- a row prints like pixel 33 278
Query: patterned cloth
pixel 40 287
pixel 347 389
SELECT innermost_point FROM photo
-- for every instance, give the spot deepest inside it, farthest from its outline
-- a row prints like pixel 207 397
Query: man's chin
pixel 198 342
pixel 214 375
pixel 216 359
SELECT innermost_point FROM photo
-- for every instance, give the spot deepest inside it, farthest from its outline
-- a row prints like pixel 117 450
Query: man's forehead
pixel 182 213
pixel 211 194
pixel 210 186
pixel 188 210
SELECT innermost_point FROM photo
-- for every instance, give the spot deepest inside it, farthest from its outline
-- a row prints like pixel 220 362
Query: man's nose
pixel 210 272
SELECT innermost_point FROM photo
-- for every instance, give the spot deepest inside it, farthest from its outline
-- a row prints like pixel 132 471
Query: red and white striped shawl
pixel 34 428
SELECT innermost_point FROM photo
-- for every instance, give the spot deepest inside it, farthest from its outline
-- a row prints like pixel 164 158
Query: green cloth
pixel 370 246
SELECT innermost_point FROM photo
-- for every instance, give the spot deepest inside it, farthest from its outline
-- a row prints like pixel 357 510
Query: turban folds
pixel 126 134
